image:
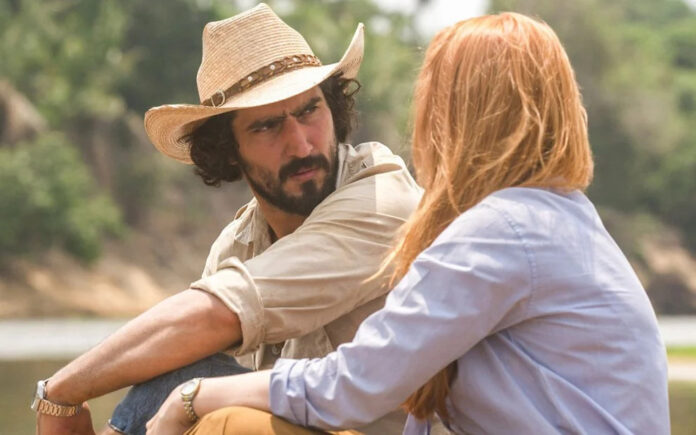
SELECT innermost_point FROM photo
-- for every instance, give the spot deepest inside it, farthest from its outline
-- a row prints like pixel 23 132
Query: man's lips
pixel 304 174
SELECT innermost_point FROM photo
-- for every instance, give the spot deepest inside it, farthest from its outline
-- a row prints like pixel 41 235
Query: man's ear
pixel 232 161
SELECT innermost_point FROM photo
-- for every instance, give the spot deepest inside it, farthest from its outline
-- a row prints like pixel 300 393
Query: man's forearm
pixel 178 331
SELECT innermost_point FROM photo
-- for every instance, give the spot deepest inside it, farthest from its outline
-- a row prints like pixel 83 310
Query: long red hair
pixel 496 105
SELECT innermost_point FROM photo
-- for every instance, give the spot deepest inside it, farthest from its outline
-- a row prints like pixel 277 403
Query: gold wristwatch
pixel 45 406
pixel 188 392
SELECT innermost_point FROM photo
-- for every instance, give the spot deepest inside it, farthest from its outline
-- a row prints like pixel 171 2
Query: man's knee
pixel 108 430
pixel 143 400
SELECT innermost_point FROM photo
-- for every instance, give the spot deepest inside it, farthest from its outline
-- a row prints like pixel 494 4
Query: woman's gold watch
pixel 188 392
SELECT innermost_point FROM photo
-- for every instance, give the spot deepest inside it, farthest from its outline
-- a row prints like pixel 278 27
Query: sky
pixel 439 13
pixel 436 15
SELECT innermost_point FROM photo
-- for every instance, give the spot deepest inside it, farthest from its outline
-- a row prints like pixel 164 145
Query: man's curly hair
pixel 214 150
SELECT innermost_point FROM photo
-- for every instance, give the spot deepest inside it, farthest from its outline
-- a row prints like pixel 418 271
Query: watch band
pixel 188 392
pixel 42 405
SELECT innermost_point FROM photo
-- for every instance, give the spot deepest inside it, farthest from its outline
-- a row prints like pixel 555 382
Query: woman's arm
pixel 250 390
pixel 473 281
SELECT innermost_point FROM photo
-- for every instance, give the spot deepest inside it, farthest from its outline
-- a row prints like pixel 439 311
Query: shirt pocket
pixel 316 344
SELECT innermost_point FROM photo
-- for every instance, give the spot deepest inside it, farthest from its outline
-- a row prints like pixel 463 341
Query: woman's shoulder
pixel 515 212
pixel 536 199
pixel 530 206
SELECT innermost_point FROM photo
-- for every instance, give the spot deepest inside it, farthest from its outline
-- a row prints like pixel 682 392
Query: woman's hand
pixel 171 417
pixel 250 390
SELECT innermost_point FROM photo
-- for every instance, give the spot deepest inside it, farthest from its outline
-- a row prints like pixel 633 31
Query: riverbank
pixel 31 349
pixel 64 339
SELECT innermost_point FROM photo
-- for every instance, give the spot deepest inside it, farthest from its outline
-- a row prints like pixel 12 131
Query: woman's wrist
pixel 249 390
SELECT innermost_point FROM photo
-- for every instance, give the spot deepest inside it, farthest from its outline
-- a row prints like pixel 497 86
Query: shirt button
pixel 276 349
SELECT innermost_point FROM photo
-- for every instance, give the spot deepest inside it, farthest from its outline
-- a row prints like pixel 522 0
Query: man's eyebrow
pixel 306 106
pixel 264 122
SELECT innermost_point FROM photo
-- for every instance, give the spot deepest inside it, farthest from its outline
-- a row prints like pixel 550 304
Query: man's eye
pixel 264 127
pixel 310 109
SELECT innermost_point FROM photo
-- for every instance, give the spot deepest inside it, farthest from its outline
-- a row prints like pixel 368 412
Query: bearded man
pixel 293 275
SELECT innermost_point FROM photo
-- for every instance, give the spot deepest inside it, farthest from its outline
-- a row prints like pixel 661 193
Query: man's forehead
pixel 280 107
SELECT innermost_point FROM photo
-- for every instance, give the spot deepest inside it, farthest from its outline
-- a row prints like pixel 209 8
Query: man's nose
pixel 296 141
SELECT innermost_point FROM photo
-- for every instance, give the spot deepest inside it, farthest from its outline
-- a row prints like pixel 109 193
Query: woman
pixel 515 311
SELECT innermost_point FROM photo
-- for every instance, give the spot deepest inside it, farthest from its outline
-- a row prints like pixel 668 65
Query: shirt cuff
pixel 287 390
pixel 235 287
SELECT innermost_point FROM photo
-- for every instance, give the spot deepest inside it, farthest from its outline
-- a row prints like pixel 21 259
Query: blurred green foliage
pixel 65 56
pixel 389 67
pixel 636 64
pixel 48 198
pixel 91 68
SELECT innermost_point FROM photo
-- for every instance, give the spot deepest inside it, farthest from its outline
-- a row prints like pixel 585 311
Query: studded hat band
pixel 278 67
pixel 249 60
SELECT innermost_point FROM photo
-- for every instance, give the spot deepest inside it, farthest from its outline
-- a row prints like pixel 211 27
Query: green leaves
pixel 389 67
pixel 89 66
pixel 65 56
pixel 48 198
pixel 636 64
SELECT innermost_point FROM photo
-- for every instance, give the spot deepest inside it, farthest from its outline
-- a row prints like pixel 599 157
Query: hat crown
pixel 236 47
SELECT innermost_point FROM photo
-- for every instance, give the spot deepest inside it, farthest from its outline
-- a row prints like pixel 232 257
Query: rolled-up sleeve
pixel 235 287
pixel 321 271
pixel 473 281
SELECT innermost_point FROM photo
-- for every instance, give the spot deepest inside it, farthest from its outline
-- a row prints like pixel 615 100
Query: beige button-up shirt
pixel 305 294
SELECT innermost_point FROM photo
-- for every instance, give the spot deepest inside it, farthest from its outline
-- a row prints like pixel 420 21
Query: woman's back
pixel 549 327
pixel 576 346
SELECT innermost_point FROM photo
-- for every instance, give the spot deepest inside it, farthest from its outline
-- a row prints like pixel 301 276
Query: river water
pixel 33 349
pixel 62 339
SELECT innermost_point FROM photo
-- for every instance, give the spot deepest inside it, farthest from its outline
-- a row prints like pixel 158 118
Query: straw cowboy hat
pixel 249 60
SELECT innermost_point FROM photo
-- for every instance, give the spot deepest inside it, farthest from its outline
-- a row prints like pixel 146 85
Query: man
pixel 294 274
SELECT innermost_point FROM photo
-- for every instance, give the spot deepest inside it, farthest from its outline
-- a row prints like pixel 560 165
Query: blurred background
pixel 96 225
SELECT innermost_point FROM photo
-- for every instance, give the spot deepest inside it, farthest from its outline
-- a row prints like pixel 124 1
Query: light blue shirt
pixel 551 330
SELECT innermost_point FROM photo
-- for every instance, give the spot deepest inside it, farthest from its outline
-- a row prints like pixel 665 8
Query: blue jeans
pixel 143 400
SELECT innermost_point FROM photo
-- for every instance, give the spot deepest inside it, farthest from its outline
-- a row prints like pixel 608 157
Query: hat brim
pixel 168 125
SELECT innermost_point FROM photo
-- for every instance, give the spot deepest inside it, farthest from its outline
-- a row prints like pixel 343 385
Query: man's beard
pixel 270 188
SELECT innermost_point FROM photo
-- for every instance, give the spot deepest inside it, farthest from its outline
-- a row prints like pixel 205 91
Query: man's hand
pixel 195 323
pixel 80 424
pixel 171 417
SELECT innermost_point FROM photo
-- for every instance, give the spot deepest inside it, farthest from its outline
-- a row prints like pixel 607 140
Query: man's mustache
pixel 310 162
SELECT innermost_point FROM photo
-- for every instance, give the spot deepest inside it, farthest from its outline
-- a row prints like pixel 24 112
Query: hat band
pixel 278 67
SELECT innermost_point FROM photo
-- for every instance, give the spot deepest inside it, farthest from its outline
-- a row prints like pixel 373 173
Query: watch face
pixel 39 394
pixel 188 388
pixel 41 389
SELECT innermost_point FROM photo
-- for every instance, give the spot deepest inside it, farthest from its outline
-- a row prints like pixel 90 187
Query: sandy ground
pixel 682 370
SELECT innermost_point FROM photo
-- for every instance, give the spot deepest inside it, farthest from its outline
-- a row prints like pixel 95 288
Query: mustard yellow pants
pixel 247 421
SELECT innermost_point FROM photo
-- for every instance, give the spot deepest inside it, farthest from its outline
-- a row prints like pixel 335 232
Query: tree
pixel 47 198
pixel 392 56
pixel 636 65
